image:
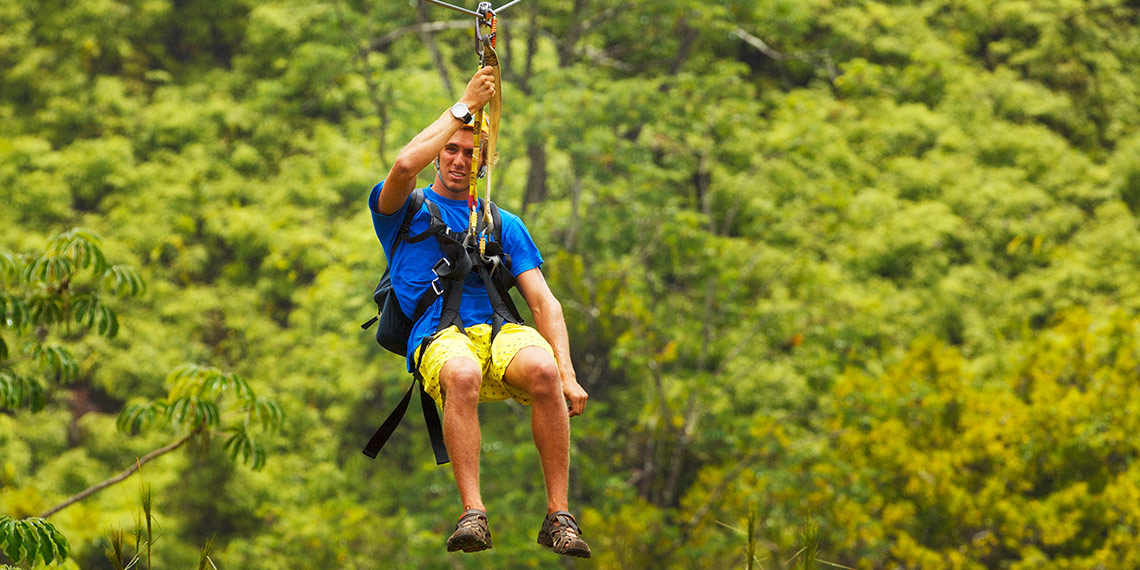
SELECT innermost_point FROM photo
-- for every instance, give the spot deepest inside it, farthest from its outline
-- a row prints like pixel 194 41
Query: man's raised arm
pixel 425 146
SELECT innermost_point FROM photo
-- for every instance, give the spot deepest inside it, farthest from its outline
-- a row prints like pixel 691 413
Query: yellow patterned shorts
pixel 450 343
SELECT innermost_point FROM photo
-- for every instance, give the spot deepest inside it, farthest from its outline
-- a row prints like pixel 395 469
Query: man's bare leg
pixel 534 370
pixel 460 379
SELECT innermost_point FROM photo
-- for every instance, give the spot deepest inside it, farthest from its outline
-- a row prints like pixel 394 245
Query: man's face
pixel 455 160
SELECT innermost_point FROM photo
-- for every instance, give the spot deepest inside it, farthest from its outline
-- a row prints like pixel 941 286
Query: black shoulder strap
pixel 415 201
pixel 435 226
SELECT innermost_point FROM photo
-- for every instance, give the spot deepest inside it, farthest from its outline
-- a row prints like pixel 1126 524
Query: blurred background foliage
pixel 866 266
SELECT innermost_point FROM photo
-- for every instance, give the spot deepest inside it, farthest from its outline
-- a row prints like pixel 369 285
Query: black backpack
pixel 395 326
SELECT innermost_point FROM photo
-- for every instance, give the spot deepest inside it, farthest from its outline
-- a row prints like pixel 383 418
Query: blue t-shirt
pixel 411 272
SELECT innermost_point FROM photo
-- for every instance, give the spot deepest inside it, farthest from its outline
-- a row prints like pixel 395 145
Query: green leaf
pixel 48 548
pixel 7 525
pixel 82 247
pixel 259 457
pixel 210 413
pixel 62 546
pixel 12 308
pixel 137 417
pixel 269 414
pixel 124 281
pixel 242 388
pixel 45 308
pixel 37 400
pixel 108 322
pixel 57 359
pixel 20 391
pixel 242 447
pixel 9 266
pixel 15 538
pixel 179 409
pixel 8 390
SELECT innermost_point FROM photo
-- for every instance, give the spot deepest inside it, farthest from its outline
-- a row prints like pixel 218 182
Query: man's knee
pixel 460 379
pixel 545 381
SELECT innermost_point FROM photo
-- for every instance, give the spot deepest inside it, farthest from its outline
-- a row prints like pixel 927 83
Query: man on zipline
pixel 460 365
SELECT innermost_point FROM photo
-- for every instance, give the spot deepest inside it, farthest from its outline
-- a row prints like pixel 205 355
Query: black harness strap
pixel 431 418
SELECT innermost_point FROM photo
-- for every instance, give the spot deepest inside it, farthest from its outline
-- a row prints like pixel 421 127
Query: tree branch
pixel 759 44
pixel 429 40
pixel 14 360
pixel 422 28
pixel 808 56
pixel 120 477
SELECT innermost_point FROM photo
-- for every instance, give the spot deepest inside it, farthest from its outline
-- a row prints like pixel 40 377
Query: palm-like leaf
pixel 123 281
pixel 18 391
pixel 137 417
pixel 58 359
pixel 80 246
pixel 268 413
pixel 32 539
pixel 44 308
pixel 242 446
pixel 9 266
pixel 13 311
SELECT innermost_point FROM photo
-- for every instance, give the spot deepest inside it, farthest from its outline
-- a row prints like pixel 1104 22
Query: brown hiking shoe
pixel 471 533
pixel 560 532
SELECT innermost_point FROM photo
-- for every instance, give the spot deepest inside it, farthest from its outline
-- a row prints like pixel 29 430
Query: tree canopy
pixel 851 281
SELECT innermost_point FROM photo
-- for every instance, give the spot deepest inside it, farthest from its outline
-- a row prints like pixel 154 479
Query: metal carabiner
pixel 485 17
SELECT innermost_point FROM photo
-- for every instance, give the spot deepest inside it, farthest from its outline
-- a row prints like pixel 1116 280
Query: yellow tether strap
pixel 488 57
pixel 494 112
pixel 473 181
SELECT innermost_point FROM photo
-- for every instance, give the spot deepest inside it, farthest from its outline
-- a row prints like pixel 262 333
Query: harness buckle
pixel 435 268
pixel 492 260
pixel 436 287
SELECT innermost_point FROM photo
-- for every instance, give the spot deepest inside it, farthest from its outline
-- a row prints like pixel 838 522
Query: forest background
pixel 852 280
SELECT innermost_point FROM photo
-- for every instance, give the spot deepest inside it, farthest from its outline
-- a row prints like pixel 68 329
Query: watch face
pixel 460 111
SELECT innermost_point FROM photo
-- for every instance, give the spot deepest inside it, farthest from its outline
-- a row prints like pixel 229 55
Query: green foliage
pixel 31 540
pixel 143 535
pixel 51 291
pixel 125 551
pixel 20 391
pixel 942 461
pixel 798 244
pixel 196 404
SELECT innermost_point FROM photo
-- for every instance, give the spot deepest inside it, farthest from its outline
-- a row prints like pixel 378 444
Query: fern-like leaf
pixel 17 391
pixel 269 414
pixel 31 539
pixel 9 267
pixel 124 281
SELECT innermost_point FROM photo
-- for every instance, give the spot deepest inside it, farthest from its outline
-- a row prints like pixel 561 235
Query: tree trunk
pixel 535 190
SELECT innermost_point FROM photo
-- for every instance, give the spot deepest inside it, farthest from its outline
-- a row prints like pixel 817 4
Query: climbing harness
pixel 463 252
pixel 460 259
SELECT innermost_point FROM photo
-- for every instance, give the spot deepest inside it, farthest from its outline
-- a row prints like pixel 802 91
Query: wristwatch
pixel 461 112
